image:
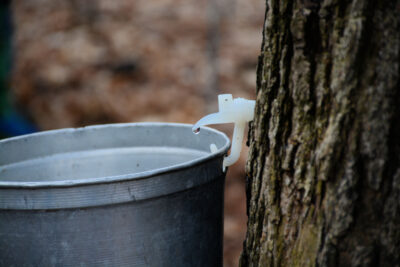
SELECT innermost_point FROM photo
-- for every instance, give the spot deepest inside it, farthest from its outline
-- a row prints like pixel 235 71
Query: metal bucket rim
pixel 118 178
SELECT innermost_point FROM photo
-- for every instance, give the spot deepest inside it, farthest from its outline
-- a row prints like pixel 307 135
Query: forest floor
pixel 99 61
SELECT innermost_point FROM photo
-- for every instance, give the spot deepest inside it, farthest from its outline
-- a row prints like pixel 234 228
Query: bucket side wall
pixel 181 229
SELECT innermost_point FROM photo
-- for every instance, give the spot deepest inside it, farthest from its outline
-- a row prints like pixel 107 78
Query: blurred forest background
pixel 79 63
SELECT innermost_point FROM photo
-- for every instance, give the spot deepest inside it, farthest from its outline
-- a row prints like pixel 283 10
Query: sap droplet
pixel 196 130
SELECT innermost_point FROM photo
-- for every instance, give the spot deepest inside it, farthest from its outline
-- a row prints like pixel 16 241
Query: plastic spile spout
pixel 238 111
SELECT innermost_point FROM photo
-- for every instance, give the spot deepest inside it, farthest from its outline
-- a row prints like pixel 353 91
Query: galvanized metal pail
pixel 145 194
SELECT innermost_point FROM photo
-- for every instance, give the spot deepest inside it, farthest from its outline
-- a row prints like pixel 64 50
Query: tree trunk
pixel 323 174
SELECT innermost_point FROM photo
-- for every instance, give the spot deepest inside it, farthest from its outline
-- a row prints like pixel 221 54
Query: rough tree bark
pixel 323 172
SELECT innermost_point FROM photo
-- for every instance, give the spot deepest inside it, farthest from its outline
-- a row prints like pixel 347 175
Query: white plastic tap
pixel 238 111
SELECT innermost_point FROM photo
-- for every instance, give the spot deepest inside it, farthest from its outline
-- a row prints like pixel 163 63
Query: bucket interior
pixel 103 151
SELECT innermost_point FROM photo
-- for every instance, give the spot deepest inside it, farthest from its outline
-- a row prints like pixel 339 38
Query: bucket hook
pixel 238 111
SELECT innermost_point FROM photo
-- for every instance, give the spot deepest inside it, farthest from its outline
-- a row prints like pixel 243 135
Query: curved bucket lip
pixel 116 178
